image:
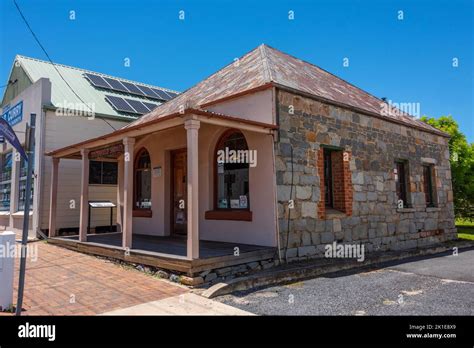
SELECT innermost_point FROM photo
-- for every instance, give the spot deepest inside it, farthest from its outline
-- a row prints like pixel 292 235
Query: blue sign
pixel 14 115
pixel 7 132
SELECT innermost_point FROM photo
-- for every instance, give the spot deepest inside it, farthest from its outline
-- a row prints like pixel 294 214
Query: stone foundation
pixel 207 277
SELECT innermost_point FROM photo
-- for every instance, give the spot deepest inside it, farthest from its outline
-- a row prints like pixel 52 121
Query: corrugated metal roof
pixel 266 66
pixel 62 94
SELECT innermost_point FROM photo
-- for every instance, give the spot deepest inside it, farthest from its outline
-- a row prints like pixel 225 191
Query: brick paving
pixel 64 282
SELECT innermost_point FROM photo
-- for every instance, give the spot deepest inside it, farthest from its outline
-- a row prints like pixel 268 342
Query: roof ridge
pixel 93 72
pixel 266 69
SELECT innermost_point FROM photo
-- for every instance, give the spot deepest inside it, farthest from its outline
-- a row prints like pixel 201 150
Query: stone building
pixel 335 164
pixel 379 170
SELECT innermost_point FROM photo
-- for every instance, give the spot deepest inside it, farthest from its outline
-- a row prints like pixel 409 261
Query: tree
pixel 462 165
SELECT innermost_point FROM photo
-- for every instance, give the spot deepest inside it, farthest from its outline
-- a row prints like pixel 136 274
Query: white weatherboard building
pixel 71 105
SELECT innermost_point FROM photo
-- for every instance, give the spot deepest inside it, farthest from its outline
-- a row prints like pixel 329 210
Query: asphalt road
pixel 440 285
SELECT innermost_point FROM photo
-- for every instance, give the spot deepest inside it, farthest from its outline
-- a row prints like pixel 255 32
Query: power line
pixel 52 63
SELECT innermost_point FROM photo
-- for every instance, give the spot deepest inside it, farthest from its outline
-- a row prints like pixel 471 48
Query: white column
pixel 53 201
pixel 84 213
pixel 128 192
pixel 192 132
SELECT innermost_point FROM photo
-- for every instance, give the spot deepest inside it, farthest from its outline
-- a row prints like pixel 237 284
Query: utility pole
pixel 29 146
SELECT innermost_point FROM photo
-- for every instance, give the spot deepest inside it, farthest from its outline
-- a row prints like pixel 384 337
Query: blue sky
pixel 407 60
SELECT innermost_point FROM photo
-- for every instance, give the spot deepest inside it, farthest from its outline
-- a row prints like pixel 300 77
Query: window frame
pixel 141 212
pixel 22 177
pixel 342 197
pixel 7 181
pixel 327 159
pixel 406 182
pixel 102 173
pixel 429 187
pixel 241 214
pixel 222 139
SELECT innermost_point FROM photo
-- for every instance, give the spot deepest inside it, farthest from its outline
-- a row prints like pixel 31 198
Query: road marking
pixel 412 292
pixel 455 281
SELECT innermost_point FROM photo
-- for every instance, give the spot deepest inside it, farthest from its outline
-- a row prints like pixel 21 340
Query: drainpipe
pixel 277 121
pixel 275 137
pixel 275 195
pixel 289 210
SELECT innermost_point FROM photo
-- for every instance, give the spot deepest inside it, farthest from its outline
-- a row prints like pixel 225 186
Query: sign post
pixel 30 133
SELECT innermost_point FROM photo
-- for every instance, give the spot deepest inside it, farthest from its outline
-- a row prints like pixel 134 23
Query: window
pixel 328 193
pixel 103 173
pixel 232 177
pixel 401 182
pixel 335 181
pixel 428 185
pixel 5 180
pixel 22 182
pixel 142 181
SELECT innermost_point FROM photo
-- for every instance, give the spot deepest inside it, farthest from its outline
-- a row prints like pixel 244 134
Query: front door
pixel 178 193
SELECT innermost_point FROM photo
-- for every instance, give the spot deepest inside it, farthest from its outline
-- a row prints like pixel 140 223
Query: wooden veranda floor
pixel 167 252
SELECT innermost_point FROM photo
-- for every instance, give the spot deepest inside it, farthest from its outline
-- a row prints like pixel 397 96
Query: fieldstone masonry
pixel 372 216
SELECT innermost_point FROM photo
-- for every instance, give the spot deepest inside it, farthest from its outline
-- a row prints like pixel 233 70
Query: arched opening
pixel 142 181
pixel 231 184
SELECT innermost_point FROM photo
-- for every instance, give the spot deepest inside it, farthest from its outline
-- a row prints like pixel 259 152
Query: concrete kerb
pixel 317 267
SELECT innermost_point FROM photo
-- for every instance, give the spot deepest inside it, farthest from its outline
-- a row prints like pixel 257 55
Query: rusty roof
pixel 264 67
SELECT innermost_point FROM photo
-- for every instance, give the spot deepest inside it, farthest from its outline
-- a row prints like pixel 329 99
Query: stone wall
pixel 372 146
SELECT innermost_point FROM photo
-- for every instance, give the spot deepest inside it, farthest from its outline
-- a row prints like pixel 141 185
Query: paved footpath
pixel 65 282
pixel 185 304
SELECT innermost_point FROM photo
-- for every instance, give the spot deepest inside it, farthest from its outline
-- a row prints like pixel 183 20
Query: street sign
pixel 7 132
pixel 14 115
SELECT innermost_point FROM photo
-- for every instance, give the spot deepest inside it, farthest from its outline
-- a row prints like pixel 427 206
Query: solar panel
pixel 119 104
pixel 132 88
pixel 171 94
pixel 138 106
pixel 116 85
pixel 97 81
pixel 161 94
pixel 148 92
pixel 150 106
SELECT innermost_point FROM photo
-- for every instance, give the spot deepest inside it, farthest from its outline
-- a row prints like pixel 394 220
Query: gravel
pixel 441 285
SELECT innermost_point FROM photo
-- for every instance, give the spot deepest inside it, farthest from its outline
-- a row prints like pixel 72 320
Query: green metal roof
pixel 61 93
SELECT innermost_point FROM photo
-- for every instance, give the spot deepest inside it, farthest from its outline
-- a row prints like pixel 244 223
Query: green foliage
pixel 462 165
pixel 465 229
